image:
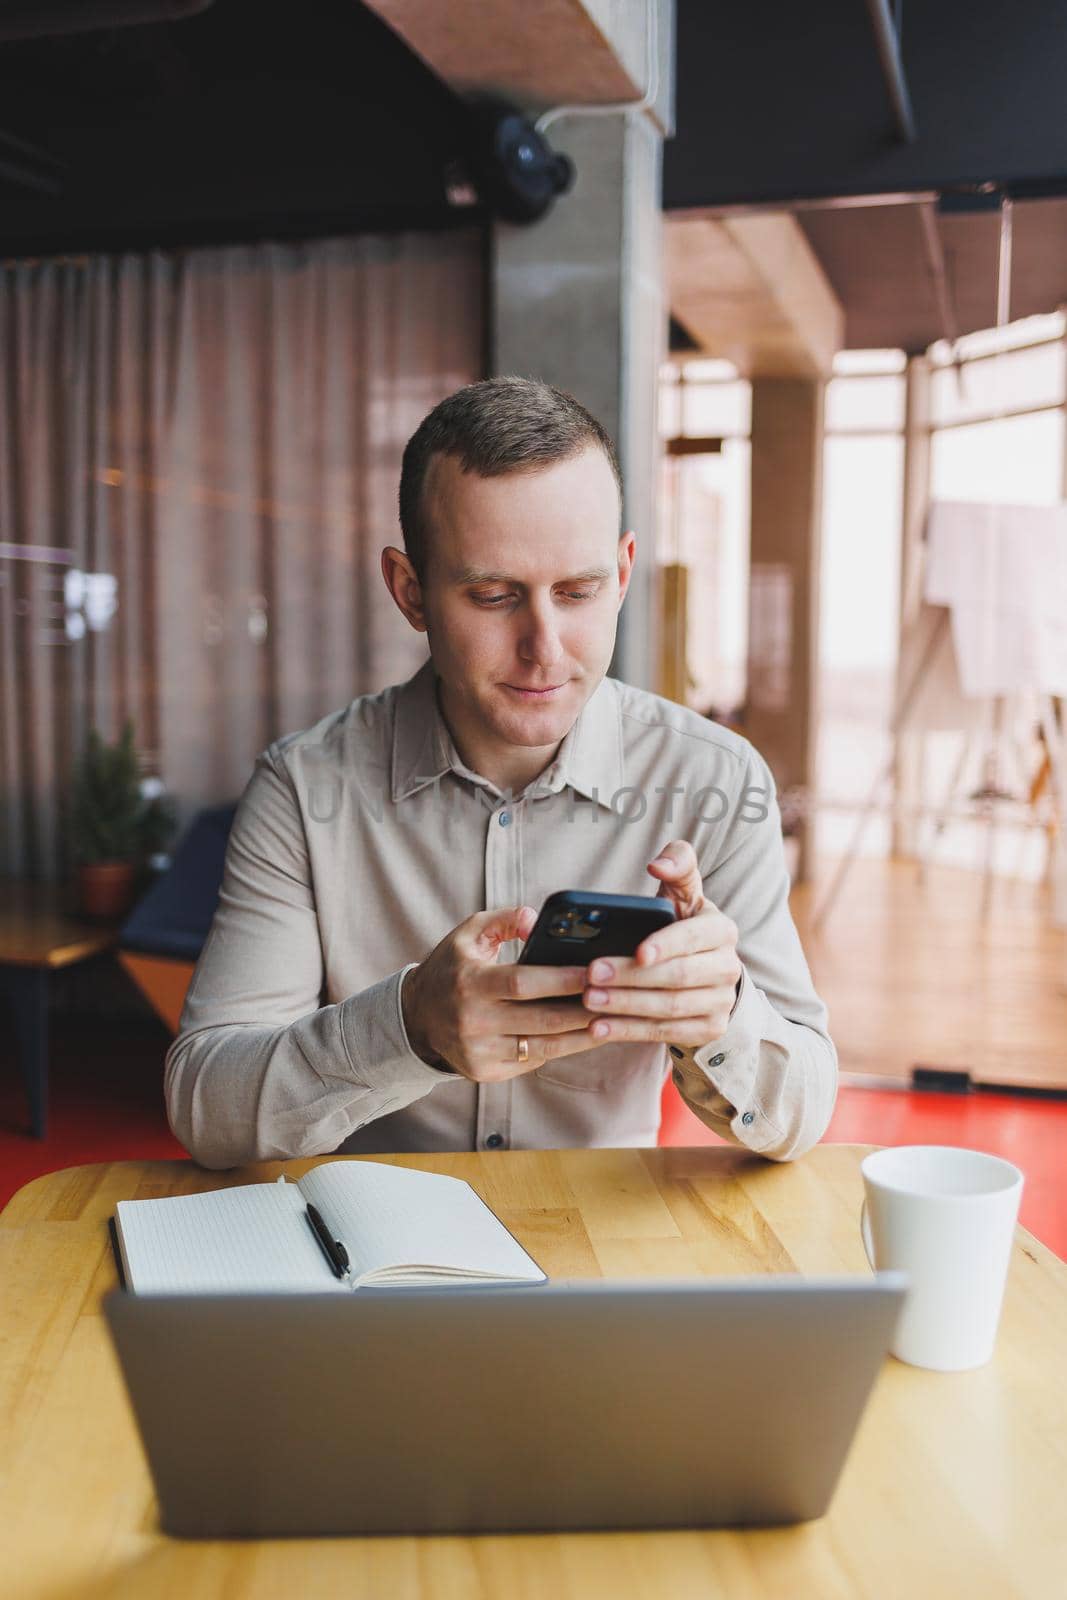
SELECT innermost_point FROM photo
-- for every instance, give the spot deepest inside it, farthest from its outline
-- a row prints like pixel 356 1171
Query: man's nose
pixel 539 639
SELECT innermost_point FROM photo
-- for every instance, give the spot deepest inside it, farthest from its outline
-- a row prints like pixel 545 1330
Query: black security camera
pixel 515 170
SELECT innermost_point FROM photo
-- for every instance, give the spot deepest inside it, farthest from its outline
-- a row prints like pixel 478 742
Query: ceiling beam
pixel 750 290
pixel 557 52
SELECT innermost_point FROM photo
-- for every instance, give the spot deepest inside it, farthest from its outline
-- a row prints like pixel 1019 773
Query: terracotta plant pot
pixel 105 889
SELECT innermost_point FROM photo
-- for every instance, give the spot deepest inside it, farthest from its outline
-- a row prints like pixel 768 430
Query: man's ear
pixel 404 586
pixel 626 554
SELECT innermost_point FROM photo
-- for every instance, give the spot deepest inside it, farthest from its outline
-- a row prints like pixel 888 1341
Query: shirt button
pixel 494 1141
pixel 505 818
pixel 717 1061
pixel 748 1118
pixel 675 1052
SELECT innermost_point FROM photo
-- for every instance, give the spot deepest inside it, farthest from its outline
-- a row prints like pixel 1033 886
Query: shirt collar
pixel 589 759
pixel 419 753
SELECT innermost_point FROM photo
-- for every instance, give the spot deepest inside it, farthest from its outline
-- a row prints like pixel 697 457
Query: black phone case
pixel 626 919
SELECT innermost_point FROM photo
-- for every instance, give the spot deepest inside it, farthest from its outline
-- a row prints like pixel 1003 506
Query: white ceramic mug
pixel 947 1218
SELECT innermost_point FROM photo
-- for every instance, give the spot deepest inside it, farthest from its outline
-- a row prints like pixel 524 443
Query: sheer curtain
pixel 199 454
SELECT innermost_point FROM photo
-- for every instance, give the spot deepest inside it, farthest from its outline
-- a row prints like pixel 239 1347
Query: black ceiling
pixel 276 118
pixel 778 101
pixel 254 117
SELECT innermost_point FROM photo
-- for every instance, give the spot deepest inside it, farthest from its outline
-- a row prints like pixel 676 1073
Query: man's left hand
pixel 680 985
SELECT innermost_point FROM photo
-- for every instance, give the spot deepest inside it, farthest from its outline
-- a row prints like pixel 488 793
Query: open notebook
pixel 398 1228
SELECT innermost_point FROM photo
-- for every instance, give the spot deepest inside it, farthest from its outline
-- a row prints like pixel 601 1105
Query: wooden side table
pixel 38 933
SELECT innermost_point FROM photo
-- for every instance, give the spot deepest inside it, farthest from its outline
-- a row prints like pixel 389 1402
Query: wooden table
pixel 38 934
pixel 956 1484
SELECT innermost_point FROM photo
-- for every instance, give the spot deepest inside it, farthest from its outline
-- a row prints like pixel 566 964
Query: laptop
pixel 714 1403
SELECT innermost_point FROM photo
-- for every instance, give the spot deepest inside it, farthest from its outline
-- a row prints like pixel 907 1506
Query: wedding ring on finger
pixel 523 1049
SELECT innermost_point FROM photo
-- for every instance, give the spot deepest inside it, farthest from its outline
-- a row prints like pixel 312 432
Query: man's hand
pixel 681 983
pixel 464 1006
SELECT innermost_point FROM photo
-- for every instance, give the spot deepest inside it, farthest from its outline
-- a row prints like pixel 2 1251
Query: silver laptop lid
pixel 573 1405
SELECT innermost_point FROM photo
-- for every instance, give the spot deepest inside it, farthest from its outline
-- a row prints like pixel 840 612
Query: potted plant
pixel 117 820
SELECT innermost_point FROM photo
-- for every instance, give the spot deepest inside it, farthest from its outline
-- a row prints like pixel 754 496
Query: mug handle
pixel 865 1235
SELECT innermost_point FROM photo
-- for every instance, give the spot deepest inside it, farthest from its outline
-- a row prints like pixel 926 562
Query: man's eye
pixel 496 599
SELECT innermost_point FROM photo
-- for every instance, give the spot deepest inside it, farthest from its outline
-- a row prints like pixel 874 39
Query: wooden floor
pixel 914 975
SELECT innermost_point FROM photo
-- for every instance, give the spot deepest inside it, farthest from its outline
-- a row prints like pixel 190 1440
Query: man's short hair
pixel 497 426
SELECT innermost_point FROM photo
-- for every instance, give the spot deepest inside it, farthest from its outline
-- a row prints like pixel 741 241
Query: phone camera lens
pixel 559 925
pixel 595 918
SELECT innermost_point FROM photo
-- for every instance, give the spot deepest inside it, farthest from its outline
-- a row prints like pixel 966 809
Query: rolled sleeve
pixel 722 1081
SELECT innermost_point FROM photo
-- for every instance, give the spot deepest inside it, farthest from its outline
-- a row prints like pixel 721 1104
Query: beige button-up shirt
pixel 359 843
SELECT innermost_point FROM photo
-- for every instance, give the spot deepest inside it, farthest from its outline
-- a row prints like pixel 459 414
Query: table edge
pixel 168 1161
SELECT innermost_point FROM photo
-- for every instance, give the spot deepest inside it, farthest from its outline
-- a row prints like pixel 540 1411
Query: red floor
pixel 106 1105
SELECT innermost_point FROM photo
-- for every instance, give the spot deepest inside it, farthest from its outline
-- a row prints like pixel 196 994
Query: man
pixel 359 988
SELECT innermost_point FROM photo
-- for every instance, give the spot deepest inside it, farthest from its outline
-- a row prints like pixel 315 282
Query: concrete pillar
pixel 907 745
pixel 577 300
pixel 787 447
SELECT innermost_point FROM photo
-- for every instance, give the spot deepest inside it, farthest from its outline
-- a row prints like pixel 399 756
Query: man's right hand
pixel 465 1006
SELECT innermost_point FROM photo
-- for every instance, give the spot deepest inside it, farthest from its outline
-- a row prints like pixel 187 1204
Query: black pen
pixel 332 1249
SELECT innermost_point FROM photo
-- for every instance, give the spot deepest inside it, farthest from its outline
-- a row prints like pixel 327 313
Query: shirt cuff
pixel 721 1076
pixel 376 1040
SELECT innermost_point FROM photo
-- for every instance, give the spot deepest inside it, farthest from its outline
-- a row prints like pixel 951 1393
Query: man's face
pixel 525 574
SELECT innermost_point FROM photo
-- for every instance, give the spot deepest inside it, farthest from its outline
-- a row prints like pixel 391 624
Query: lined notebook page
pixel 393 1217
pixel 252 1238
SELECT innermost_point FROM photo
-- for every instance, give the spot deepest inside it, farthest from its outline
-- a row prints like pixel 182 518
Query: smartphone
pixel 575 926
